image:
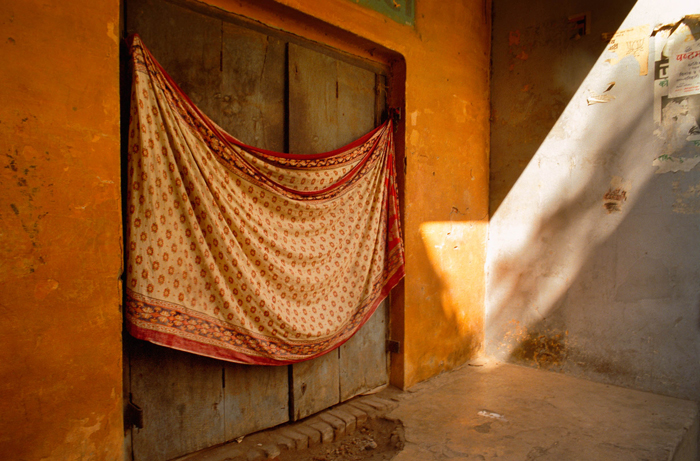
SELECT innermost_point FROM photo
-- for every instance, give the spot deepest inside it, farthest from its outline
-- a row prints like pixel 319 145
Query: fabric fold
pixel 244 254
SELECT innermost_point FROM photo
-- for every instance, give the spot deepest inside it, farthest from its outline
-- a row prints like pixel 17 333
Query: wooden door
pixel 332 103
pixel 279 93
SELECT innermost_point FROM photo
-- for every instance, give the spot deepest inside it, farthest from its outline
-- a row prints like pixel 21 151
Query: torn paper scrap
pixel 492 415
pixel 667 164
pixel 603 97
pixel 683 51
pixel 631 42
pixel 599 98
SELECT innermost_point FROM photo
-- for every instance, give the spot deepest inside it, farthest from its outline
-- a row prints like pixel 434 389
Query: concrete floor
pixel 499 411
pixel 493 411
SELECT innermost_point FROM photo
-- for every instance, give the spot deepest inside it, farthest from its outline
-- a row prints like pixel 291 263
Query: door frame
pixel 270 17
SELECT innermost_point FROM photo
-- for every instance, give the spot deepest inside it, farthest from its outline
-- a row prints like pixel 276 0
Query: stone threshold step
pixel 322 428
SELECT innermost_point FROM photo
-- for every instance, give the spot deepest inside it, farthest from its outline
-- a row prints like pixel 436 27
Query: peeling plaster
pixel 602 97
pixel 415 138
pixel 414 117
pixel 43 288
pixel 631 42
pixel 79 441
pixel 686 201
pixel 677 152
pixel 667 164
pixel 112 32
pixel 616 194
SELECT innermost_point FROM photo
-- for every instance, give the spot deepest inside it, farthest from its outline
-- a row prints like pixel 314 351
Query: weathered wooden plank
pixel 315 385
pixel 380 97
pixel 180 394
pixel 182 402
pixel 313 101
pixel 331 103
pixel 253 110
pixel 356 102
pixel 363 358
pixel 256 398
pixel 237 77
pixel 313 121
pixel 186 44
pixel 252 87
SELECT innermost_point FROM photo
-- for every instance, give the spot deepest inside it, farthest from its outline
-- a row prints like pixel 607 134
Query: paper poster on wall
pixel 631 42
pixel 677 94
pixel 661 63
pixel 683 51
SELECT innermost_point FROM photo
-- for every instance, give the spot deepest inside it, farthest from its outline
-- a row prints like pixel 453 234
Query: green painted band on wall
pixel 401 11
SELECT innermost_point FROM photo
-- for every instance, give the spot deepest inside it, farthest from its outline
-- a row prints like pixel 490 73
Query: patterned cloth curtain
pixel 248 255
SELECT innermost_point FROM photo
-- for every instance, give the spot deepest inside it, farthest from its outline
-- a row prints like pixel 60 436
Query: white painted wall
pixel 609 292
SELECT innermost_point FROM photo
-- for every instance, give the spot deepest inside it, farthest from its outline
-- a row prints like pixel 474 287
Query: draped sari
pixel 244 254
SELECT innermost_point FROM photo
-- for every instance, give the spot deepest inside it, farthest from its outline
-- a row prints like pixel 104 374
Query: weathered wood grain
pixel 313 101
pixel 186 44
pixel 356 103
pixel 256 398
pixel 363 358
pixel 315 385
pixel 252 93
pixel 182 401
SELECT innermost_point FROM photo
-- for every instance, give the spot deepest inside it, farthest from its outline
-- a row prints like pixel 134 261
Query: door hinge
pixel 133 416
pixel 393 346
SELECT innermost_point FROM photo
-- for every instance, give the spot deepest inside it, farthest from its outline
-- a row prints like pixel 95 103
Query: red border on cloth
pixel 216 352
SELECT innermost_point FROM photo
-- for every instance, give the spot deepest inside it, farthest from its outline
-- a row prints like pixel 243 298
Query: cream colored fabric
pixel 247 255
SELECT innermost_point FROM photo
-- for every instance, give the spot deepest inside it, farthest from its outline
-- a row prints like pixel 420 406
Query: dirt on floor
pixel 380 439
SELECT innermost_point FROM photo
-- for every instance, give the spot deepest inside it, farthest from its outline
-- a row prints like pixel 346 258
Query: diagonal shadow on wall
pixel 592 259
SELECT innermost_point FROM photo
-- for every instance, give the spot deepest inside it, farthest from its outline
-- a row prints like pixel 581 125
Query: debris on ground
pixel 380 439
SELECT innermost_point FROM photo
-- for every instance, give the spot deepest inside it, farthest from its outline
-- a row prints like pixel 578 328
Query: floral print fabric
pixel 244 254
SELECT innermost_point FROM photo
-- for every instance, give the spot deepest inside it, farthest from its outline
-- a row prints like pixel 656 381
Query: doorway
pixel 277 92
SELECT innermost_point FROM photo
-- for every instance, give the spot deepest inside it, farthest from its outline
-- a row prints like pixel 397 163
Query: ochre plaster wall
pixel 446 181
pixel 60 206
pixel 60 231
